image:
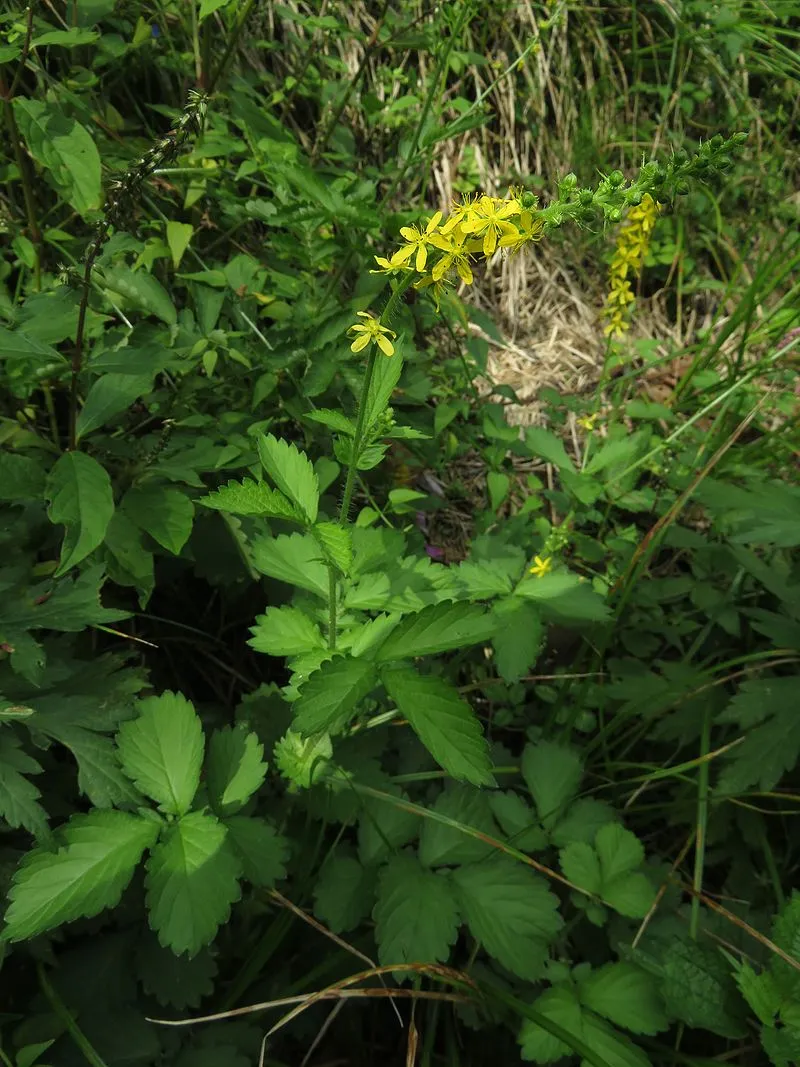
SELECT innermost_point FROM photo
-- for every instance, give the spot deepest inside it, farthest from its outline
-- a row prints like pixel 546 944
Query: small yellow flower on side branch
pixel 385 266
pixel 371 330
pixel 586 422
pixel 417 241
pixel 541 566
pixel 490 219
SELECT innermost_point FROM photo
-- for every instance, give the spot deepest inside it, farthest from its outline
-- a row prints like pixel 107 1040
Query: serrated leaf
pixel 19 798
pixel 64 148
pixel 71 605
pixel 385 376
pixel 336 544
pixel 344 893
pixel 584 1034
pixel 519 822
pixel 192 881
pixel 436 629
pixel 331 694
pixel 292 473
pixel 545 445
pixel 416 915
pixel 175 981
pixel 619 851
pixel 625 995
pixel 100 776
pixel 86 875
pixel 581 866
pixel 511 911
pixel 285 631
pixel 385 827
pixel 295 559
pixel 162 751
pixel 609 870
pixel 564 597
pixel 766 754
pixel 302 759
pixel 252 498
pixel 80 495
pixel 108 396
pixel 444 722
pixel 261 850
pixel 334 420
pixel 582 820
pixel 517 639
pixel 698 988
pixel 442 844
pixel 166 514
pixel 235 768
pixel 553 774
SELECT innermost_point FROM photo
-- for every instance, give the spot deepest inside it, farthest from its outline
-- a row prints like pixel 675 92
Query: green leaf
pixel 563 596
pixel 344 893
pixel 208 7
pixel 87 874
pixel 175 981
pixel 64 148
pixel 545 445
pixel 385 377
pixel 71 38
pixel 334 420
pixel 130 563
pixel 292 472
pixel 162 751
pixel 79 491
pixel 164 513
pixel 294 559
pixel 511 911
pixel 592 1038
pixel 698 989
pixel 235 768
pixel 19 798
pixel 141 291
pixel 625 995
pixel 252 498
pixel 108 396
pixel 519 822
pixel 71 605
pixel 614 454
pixel 768 751
pixel 21 478
pixel 442 844
pixel 179 234
pixel 445 724
pixel 609 870
pixel 517 639
pixel 100 777
pixel 285 631
pixel 553 774
pixel 192 880
pixel 261 850
pixel 498 485
pixel 436 629
pixel 385 827
pixel 331 694
pixel 416 915
pixel 336 544
pixel 302 759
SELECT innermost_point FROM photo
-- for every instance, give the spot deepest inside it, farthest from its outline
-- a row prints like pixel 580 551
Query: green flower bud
pixel 740 138
pixel 568 183
pixel 616 177
pixel 585 197
pixel 528 200
pixel 717 141
pixel 682 188
pixel 587 214
pixel 680 157
pixel 634 196
pixel 613 214
pixel 724 162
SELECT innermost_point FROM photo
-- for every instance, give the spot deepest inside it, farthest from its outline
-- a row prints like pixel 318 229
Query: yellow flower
pixel 456 254
pixel 417 241
pixel 490 220
pixel 385 266
pixel 460 213
pixel 586 422
pixel 528 229
pixel 632 242
pixel 371 330
pixel 540 566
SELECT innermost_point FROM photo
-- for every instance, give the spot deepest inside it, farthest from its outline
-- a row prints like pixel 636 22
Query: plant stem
pixel 331 607
pixel 702 823
pixel 358 436
pixel 67 1018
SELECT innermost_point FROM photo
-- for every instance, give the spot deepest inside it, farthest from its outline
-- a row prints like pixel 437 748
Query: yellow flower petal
pixel 360 343
pixel 385 345
pixel 422 258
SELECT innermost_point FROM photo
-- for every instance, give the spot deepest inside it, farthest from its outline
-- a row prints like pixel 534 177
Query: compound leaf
pixel 285 631
pixel 260 848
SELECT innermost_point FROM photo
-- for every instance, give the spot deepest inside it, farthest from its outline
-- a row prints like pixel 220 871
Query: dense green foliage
pixel 305 725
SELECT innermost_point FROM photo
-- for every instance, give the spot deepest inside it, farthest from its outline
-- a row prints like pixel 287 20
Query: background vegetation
pixel 439 708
